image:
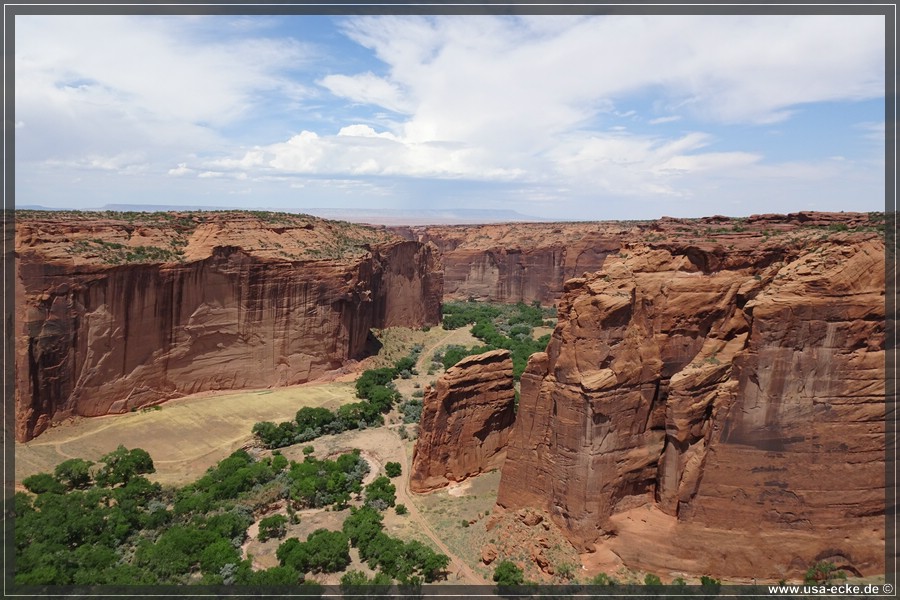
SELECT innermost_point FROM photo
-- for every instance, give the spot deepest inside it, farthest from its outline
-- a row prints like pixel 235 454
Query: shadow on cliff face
pixel 372 346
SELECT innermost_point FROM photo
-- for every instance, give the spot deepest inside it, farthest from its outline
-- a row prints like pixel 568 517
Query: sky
pixel 557 117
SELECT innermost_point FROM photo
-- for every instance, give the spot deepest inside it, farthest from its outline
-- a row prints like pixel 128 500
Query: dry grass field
pixel 185 436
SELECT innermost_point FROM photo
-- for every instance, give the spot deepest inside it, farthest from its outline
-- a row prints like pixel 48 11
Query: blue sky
pixel 575 117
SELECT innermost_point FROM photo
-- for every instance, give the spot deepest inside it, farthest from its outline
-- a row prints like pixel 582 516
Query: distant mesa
pixel 366 216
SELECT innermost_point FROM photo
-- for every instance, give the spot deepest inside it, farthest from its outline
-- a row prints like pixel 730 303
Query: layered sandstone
pixel 465 423
pixel 115 314
pixel 716 406
pixel 527 262
pixel 517 262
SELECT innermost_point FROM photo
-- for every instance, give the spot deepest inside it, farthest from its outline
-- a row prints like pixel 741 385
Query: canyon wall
pixel 94 337
pixel 517 262
pixel 466 420
pixel 716 405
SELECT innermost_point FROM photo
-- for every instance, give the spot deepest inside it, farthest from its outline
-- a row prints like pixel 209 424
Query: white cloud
pixel 364 131
pixel 91 83
pixel 661 120
pixel 367 88
pixel 542 101
pixel 474 77
pixel 181 169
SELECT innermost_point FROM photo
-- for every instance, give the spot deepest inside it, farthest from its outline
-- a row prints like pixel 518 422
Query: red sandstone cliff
pixel 513 262
pixel 466 420
pixel 706 409
pixel 231 301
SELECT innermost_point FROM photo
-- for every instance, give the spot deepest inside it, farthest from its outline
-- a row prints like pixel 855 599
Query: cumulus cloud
pixel 96 82
pixel 556 103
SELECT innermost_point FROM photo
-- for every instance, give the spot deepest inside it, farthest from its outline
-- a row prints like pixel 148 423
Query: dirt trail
pixel 380 446
pixel 457 565
pixel 460 336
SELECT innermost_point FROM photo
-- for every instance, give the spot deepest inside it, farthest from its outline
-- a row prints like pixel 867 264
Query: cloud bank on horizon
pixel 564 117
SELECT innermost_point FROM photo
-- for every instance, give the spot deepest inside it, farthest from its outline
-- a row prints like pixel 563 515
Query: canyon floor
pixel 188 435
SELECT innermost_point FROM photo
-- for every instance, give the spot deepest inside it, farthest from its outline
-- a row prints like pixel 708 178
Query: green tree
pixel 381 493
pixel 43 483
pixel 122 464
pixel 273 526
pixel 508 574
pixel 392 469
pixel 362 526
pixel 273 576
pixel 323 550
pixel 74 473
pixel 218 554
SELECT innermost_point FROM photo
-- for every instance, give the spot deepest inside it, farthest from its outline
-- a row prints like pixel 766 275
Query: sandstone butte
pixel 713 403
pixel 119 311
pixel 466 420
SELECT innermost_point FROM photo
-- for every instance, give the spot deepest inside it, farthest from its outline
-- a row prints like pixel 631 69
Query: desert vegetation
pixel 374 388
pixel 510 327
pixel 106 523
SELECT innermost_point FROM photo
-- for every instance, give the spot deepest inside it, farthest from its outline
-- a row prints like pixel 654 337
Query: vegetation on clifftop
pixel 499 326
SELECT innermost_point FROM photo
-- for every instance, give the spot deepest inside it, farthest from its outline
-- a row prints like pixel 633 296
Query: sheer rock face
pixel 714 412
pixel 94 339
pixel 517 262
pixel 466 421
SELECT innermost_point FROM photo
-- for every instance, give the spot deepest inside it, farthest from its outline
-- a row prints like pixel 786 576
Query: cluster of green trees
pixel 107 524
pixel 317 483
pixel 509 327
pixel 323 551
pixel 381 493
pixel 375 388
pixel 410 563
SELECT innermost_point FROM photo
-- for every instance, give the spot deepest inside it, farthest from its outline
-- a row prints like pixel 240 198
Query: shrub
pixel 566 571
pixel 603 579
pixel 823 572
pixel 381 490
pixel 393 469
pixel 401 509
pixel 272 527
pixel 412 411
pixel 651 579
pixel 508 574
pixel 43 483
